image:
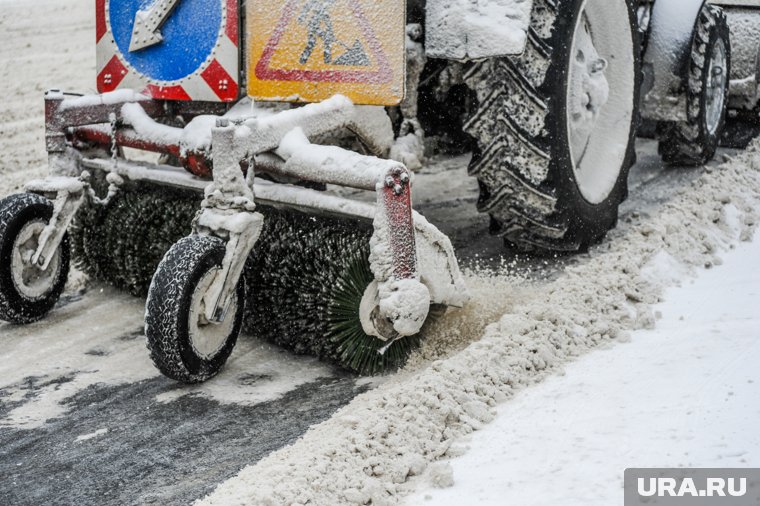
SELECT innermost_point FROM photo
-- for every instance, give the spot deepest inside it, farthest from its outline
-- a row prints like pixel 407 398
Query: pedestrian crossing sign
pixel 310 50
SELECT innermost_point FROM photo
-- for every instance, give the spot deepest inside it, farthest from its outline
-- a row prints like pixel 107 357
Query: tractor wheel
pixel 183 344
pixel 694 141
pixel 27 293
pixel 555 126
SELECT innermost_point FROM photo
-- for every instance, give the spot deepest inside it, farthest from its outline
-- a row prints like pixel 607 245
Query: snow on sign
pixel 309 50
pixel 169 49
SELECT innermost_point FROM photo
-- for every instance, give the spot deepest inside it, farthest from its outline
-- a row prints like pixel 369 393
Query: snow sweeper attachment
pixel 350 281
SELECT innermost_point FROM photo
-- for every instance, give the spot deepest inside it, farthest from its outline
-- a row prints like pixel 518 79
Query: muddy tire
pixel 694 141
pixel 182 344
pixel 546 183
pixel 28 293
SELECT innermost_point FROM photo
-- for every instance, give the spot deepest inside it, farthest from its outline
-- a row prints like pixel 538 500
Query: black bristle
pixel 306 275
pixel 306 278
pixel 123 242
pixel 357 350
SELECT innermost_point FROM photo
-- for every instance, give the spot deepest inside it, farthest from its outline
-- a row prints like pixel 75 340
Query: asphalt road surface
pixel 86 419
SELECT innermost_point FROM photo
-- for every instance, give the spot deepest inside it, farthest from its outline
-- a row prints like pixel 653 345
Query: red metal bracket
pixel 397 199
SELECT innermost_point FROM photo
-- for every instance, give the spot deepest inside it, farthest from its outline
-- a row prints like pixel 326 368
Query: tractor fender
pixel 666 58
pixel 464 30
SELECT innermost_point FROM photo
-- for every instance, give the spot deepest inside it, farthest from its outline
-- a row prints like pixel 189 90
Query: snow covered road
pixel 85 373
pixel 85 418
pixel 682 395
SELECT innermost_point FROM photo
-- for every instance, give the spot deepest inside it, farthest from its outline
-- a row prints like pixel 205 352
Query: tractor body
pixel 669 28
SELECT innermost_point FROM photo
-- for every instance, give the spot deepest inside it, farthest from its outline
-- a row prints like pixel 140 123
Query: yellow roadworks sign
pixel 309 50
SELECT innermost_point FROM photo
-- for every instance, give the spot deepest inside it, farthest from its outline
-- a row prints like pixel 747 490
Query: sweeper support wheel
pixel 312 274
pixel 28 289
pixel 183 344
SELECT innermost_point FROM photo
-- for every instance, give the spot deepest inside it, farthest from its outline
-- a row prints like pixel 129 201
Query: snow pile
pixel 370 448
pixel 466 29
pixel 605 414
pixel 441 475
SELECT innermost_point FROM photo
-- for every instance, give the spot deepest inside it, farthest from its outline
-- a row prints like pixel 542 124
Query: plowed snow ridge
pixel 368 450
pixel 681 395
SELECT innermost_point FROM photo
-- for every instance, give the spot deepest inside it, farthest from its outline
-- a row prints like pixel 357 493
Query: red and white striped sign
pixel 212 77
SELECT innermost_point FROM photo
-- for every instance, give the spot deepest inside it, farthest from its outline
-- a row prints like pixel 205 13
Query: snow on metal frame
pixel 438 266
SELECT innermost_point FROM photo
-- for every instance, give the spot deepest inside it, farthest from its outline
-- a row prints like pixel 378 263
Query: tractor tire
pixel 693 142
pixel 182 344
pixel 28 293
pixel 553 150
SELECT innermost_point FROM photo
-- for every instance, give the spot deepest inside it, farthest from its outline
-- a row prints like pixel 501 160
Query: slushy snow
pixel 369 450
pixel 682 395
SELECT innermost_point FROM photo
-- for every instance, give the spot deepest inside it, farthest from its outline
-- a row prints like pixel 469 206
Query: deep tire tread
pixel 688 142
pixel 513 159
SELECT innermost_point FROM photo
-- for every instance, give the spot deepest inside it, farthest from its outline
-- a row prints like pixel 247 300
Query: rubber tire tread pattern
pixel 168 304
pixel 689 143
pixel 15 212
pixel 521 181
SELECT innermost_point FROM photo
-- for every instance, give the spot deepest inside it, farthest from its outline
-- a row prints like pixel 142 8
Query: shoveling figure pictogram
pixel 309 50
pixel 315 16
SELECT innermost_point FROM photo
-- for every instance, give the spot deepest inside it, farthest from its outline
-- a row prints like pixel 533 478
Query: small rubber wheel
pixel 28 293
pixel 183 344
pixel 693 142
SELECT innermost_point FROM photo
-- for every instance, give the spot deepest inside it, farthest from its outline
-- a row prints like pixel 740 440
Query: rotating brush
pixel 123 241
pixel 306 275
pixel 306 278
